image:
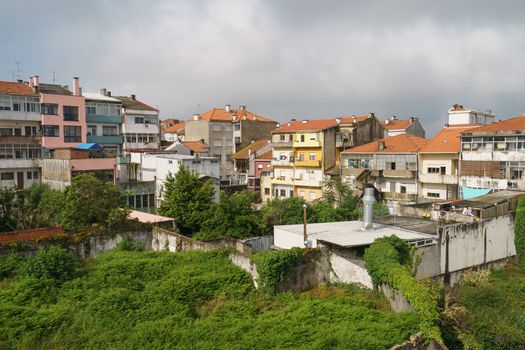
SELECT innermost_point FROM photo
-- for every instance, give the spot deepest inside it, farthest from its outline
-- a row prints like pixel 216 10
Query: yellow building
pixel 302 152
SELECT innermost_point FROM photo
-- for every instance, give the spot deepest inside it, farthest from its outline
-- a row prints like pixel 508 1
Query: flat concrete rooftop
pixel 409 223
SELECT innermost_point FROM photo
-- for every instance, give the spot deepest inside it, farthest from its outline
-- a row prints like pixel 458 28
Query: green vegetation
pixel 187 199
pixel 519 229
pixel 388 261
pixel 193 300
pixel 275 266
pixel 51 263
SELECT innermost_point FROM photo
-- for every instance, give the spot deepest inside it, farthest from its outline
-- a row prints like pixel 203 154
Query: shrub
pixel 9 264
pixel 275 266
pixel 519 229
pixel 127 245
pixel 54 262
pixel 388 261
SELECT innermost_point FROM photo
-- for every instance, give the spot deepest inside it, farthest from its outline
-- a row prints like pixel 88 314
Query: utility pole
pixel 305 236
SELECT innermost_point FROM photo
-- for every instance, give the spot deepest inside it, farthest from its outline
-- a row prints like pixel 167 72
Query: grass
pixel 496 310
pixel 193 300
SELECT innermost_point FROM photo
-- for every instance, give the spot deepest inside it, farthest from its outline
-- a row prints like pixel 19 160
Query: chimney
pixel 196 116
pixel 76 86
pixel 103 92
pixel 254 117
pixel 201 140
pixel 387 121
pixel 305 121
pixel 31 84
pixel 338 120
pixel 108 94
pixel 133 97
pixel 227 108
pixel 368 209
pixel 393 117
pixel 293 119
pixel 412 119
pixel 381 145
pixel 289 124
pixel 242 108
pixel 278 125
pixel 446 125
pixel 371 115
pixel 36 80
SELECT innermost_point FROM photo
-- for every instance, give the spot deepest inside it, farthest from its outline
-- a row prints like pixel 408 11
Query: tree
pixel 232 217
pixel 8 220
pixel 335 191
pixel 53 262
pixel 90 201
pixel 187 199
pixel 286 211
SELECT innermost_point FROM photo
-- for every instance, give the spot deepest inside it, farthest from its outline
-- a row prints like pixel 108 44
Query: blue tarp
pixel 90 146
pixel 470 192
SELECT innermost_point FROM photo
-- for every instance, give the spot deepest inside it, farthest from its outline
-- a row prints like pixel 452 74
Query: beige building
pixel 302 152
pixel 439 164
pixel 410 126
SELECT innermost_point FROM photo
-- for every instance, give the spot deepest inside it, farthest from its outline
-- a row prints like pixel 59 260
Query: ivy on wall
pixel 388 261
pixel 519 229
pixel 275 266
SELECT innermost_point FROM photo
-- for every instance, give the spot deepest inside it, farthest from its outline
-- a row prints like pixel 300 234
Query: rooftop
pixel 98 97
pixel 15 88
pixel 54 89
pixel 447 140
pixel 174 129
pixel 457 108
pixel 267 155
pixel 148 218
pixel 514 124
pixel 130 102
pixel 349 233
pixel 485 201
pixel 403 143
pixel 244 152
pixel 396 124
pixel 220 114
pixel 307 125
pixel 197 146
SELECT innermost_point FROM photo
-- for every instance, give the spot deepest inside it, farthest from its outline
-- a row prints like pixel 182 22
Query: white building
pixel 20 139
pixel 141 124
pixel 458 115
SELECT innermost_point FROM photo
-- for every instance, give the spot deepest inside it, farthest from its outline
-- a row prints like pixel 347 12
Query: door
pixel 20 180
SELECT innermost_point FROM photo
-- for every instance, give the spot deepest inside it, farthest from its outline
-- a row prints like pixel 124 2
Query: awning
pixel 90 146
pixel 470 192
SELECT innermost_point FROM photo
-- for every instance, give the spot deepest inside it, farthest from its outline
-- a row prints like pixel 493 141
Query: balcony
pixel 307 143
pixel 20 116
pixel 308 163
pixel 399 196
pixel 282 181
pixel 308 183
pixel 115 139
pixel 18 163
pixel 438 179
pixel 404 174
pixel 281 162
pixel 104 119
pixel 353 171
pixel 32 140
pixel 282 144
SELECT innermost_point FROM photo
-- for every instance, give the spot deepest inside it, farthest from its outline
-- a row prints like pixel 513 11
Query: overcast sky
pixel 283 59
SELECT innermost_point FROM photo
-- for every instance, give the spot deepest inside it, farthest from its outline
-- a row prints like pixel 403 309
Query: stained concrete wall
pixel 347 267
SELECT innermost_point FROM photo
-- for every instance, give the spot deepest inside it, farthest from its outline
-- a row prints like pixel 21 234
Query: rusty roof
pixel 196 146
pixel 396 124
pixel 175 129
pixel 15 88
pixel 403 143
pixel 447 140
pixel 307 125
pixel 513 124
pixel 253 147
pixel 220 114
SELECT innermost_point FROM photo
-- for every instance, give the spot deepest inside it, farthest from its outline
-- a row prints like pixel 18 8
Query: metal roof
pixel 90 146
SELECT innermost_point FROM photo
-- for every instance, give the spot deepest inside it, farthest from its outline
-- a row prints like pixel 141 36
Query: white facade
pixel 459 115
pixel 438 175
pixel 141 129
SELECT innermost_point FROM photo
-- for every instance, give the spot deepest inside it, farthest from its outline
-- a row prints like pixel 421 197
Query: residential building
pixel 302 151
pixel 493 157
pixel 245 164
pixel 458 115
pixel 262 167
pixel 216 128
pixel 358 130
pixel 438 164
pixel 173 132
pixel 67 163
pixel 410 126
pixel 63 115
pixel 389 165
pixel 20 137
pixel 140 126
pixel 104 121
pixel 190 148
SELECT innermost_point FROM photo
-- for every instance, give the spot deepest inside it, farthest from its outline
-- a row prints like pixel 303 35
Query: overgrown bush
pixel 519 228
pixel 388 262
pixel 275 266
pixel 127 245
pixel 53 262
pixel 9 264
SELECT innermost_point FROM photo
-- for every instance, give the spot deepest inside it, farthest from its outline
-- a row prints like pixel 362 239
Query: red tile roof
pixel 12 88
pixel 196 146
pixel 253 147
pixel 307 125
pixel 396 144
pixel 175 129
pixel 220 114
pixel 396 124
pixel 268 155
pixel 516 123
pixel 447 140
pixel 354 119
pixel 169 120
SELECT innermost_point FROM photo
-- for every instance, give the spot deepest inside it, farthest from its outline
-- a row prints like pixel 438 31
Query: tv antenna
pixel 17 63
pixel 54 77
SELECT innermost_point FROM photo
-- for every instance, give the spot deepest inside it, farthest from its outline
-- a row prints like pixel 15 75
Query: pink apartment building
pixel 63 115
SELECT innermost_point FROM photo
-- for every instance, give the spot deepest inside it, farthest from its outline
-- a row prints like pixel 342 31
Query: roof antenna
pixel 17 69
pixel 54 77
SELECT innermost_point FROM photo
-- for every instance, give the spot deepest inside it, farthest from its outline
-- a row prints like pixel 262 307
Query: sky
pixel 300 59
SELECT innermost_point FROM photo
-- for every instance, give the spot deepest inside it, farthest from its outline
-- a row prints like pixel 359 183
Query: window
pixel 131 201
pixel 109 130
pixel 392 166
pixel 216 127
pixel 70 113
pixel 432 194
pixel 291 193
pixel 443 170
pixel 217 143
pixel 6 131
pixel 139 120
pixel 151 199
pixel 282 137
pixel 237 139
pixel 5 103
pixel 7 176
pixel 433 170
pixel 49 108
pixel 150 120
pixel 290 138
pixel 92 130
pixel 51 130
pixel 72 133
pixel 312 196
pixel 35 175
pixel 91 109
pixel 267 191
pixel 16 107
pixel 283 192
pixel 144 201
pixel 138 201
pixel 403 189
pixel 29 175
pixel 302 138
pixel 17 131
pixel 237 127
pixel 312 156
pixel 301 157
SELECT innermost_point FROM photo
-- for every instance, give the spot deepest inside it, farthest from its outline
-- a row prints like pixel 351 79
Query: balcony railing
pixel 307 143
pixel 308 163
pixel 438 179
pixel 399 196
pixel 282 181
pixel 105 119
pixel 405 174
pixel 282 144
pixel 282 162
pixel 114 139
pixel 20 139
